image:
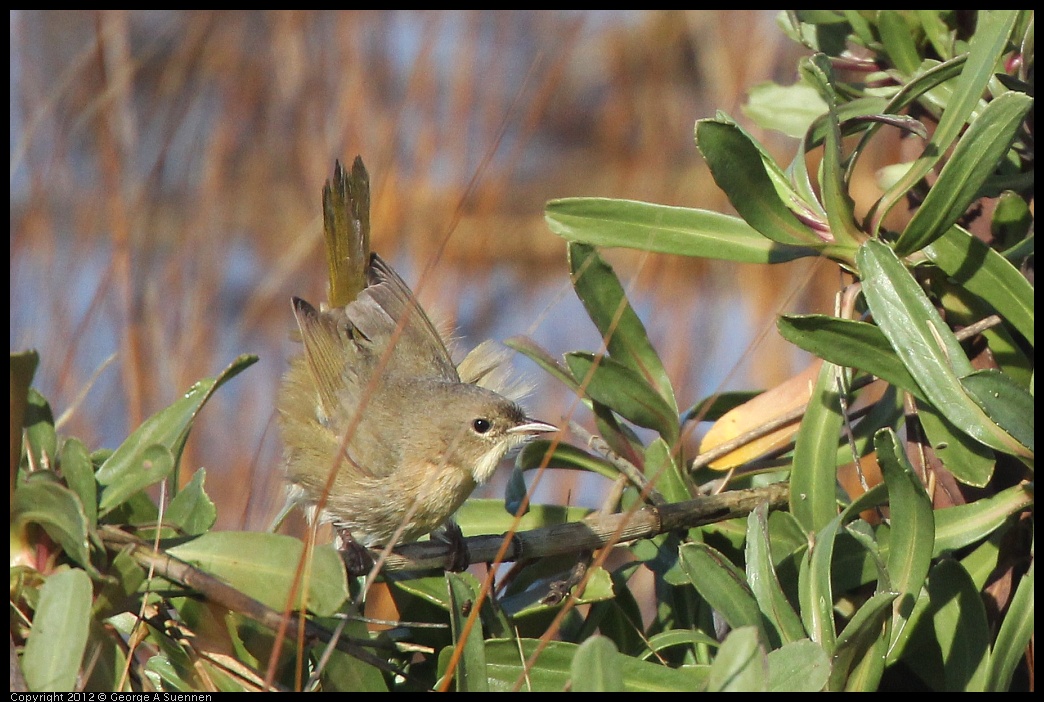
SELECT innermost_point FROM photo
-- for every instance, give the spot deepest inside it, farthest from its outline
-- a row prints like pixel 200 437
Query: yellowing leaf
pixel 790 395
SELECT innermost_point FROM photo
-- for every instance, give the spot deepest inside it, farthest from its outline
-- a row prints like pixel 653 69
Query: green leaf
pixel 1012 220
pixel 927 347
pixel 552 670
pixel 119 590
pixel 58 638
pixel 191 510
pixel 624 335
pixel 661 465
pixel 677 637
pixel 897 37
pixel 40 437
pixel 784 624
pixel 799 666
pixel 968 460
pixel 737 167
pixel 265 567
pixel 741 664
pixel 789 109
pixel 78 471
pixel 22 369
pixel 596 666
pixel 1014 636
pixel 143 468
pixel 722 584
pixel 848 343
pixel 711 409
pixel 861 638
pixel 949 648
pixel 813 479
pixel 815 589
pixel 1007 404
pixel 975 157
pixel 480 516
pixel 663 229
pixel 121 475
pixel 565 456
pixel 913 529
pixel 936 31
pixel 962 525
pixel 55 508
pixel 837 202
pixel 624 391
pixel 470 675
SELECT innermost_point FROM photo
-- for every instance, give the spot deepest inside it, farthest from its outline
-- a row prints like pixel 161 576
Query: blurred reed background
pixel 166 170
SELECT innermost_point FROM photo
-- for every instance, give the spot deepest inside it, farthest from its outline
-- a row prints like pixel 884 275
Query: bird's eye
pixel 481 426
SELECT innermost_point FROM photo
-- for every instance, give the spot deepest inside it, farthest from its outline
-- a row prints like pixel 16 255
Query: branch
pixel 601 532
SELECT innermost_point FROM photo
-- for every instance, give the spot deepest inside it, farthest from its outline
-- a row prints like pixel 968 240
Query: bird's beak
pixel 532 426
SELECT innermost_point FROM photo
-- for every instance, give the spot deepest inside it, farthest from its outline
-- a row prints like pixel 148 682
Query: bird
pixel 375 397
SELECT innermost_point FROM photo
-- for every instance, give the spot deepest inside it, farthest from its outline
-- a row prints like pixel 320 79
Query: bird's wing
pixel 387 314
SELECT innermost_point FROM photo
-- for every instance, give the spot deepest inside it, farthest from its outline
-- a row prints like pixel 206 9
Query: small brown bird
pixel 422 433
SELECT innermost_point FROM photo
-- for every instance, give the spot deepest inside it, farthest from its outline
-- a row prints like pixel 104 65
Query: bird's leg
pixel 451 535
pixel 357 558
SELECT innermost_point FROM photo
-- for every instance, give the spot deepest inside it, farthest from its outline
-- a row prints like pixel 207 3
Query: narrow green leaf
pixel 552 671
pixel 837 202
pixel 1007 404
pixel 661 465
pixel 119 590
pixel 913 529
pixel 799 666
pixel 711 409
pixel 565 456
pixel 143 468
pixel 897 37
pixel 789 109
pixel 78 471
pixel 815 589
pixel 722 584
pixel 986 47
pixel 861 638
pixel 191 510
pixel 1012 220
pixel 930 77
pixel 737 167
pixel 962 525
pixel 927 347
pixel 741 664
pixel 263 566
pixel 1014 636
pixel 596 667
pixel 784 624
pixel 533 351
pixel 55 508
pixel 936 31
pixel 949 647
pixel 624 391
pixel 849 343
pixel 663 229
pixel 40 437
pixel 813 479
pixel 677 637
pixel 971 462
pixel 470 675
pixel 975 157
pixel 488 516
pixel 58 638
pixel 625 337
